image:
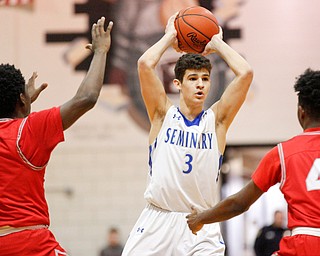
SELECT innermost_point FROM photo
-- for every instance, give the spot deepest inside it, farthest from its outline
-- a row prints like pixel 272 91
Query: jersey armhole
pixel 282 165
pixel 22 156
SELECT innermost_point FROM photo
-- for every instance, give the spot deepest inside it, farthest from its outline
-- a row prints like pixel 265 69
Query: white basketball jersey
pixel 184 163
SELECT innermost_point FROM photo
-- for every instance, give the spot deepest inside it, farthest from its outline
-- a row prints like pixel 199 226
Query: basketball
pixel 195 27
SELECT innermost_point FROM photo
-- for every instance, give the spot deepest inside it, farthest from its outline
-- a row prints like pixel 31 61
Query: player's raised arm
pixel 152 88
pixel 235 94
pixel 89 90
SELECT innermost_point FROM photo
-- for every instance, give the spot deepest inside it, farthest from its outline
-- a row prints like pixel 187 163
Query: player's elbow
pixel 145 63
pixel 91 100
pixel 247 75
pixel 87 102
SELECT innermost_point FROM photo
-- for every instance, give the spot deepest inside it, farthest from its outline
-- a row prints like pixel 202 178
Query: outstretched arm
pixel 234 95
pixel 226 209
pixel 152 89
pixel 89 90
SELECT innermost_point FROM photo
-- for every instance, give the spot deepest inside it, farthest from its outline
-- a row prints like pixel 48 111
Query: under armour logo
pixel 205 113
pixel 176 116
pixel 140 230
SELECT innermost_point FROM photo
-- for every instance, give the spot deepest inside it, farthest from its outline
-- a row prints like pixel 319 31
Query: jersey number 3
pixel 312 180
pixel 188 163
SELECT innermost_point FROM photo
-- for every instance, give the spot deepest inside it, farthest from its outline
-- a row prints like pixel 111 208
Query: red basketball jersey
pixel 296 165
pixel 25 148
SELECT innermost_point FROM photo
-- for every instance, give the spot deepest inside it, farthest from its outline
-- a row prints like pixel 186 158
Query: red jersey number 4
pixel 313 178
pixel 59 253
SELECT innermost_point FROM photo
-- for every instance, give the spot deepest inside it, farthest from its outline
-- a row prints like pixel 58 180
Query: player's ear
pixel 177 83
pixel 301 110
pixel 22 99
pixel 301 115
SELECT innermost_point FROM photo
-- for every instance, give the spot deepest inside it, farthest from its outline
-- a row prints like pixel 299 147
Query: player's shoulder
pixel 172 111
pixel 53 110
pixel 43 117
pixel 305 135
pixel 209 111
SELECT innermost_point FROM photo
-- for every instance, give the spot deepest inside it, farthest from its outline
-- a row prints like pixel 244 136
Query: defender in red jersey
pixel 295 164
pixel 26 143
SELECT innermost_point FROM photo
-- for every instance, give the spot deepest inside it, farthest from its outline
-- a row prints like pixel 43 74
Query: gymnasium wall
pixel 96 178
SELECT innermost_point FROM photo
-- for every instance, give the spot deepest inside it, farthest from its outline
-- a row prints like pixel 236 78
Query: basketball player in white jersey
pixel 186 147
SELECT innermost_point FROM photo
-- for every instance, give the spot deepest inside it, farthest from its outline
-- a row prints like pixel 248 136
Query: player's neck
pixel 313 124
pixel 190 113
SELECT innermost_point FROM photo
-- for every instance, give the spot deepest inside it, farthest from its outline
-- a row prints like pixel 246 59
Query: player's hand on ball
pixel 170 29
pixel 193 221
pixel 101 39
pixel 211 47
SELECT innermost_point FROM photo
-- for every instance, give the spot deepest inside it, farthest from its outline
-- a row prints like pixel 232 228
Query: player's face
pixel 195 85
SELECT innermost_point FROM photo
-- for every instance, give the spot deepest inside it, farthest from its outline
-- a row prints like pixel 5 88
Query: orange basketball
pixel 195 27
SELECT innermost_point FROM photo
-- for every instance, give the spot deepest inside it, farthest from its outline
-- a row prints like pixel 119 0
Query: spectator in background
pixel 114 246
pixel 268 238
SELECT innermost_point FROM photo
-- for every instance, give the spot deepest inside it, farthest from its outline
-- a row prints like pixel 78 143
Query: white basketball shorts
pixel 162 233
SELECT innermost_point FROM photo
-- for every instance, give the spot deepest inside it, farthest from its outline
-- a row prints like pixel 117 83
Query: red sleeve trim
pixel 23 157
pixel 282 165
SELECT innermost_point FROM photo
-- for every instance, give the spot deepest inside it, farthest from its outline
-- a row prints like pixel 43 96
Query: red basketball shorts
pixel 39 242
pixel 299 245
